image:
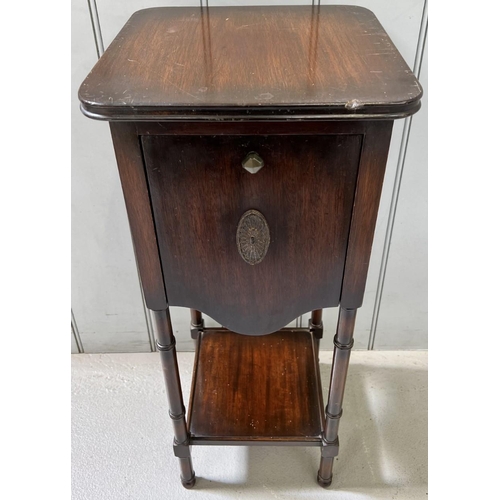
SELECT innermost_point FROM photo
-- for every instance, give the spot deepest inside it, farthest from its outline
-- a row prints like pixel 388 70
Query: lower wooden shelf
pixel 256 390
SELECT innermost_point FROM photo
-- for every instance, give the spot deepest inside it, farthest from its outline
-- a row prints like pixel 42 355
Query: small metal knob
pixel 252 162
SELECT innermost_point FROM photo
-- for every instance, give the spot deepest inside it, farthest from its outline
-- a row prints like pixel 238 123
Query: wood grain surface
pixel 199 191
pixel 256 388
pixel 135 190
pixel 335 60
pixel 371 173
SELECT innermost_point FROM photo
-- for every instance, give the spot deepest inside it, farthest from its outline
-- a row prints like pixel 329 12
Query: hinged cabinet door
pixel 252 230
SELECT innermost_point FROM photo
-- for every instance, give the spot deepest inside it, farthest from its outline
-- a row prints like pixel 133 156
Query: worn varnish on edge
pixel 246 62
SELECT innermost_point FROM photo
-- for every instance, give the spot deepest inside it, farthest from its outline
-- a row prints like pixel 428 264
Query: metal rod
pixel 96 27
pixel 397 187
pixel 76 334
pixel 147 312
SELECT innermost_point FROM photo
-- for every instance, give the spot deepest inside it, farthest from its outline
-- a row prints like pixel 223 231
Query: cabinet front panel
pixel 252 247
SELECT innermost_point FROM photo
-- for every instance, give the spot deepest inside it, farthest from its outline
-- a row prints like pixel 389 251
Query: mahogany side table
pixel 251 144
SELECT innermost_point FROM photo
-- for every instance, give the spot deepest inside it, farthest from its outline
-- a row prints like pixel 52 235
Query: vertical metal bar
pixel 313 41
pixel 147 312
pixel 76 333
pixel 96 27
pixel 99 44
pixel 397 186
pixel 149 325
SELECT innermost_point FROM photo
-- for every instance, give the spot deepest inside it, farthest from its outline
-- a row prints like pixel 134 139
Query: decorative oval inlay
pixel 253 237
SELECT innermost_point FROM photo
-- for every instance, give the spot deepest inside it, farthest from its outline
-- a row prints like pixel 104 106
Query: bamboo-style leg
pixel 343 342
pixel 197 323
pixel 165 344
pixel 316 323
pixel 316 327
pixel 317 317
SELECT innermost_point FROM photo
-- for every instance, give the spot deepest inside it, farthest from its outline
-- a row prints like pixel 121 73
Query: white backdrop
pixel 108 311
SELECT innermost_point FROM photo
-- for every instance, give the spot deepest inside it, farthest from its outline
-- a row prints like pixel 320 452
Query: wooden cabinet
pixel 304 194
pixel 251 144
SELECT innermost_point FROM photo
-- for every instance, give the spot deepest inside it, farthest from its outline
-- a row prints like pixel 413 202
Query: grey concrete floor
pixel 122 436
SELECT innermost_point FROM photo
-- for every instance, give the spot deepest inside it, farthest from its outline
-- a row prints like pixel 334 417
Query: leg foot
pixel 325 472
pixel 324 483
pixel 190 483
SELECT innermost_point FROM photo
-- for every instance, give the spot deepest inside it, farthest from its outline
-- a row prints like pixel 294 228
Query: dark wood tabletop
pixel 335 61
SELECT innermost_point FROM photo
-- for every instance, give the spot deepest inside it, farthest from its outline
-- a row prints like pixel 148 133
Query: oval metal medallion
pixel 253 237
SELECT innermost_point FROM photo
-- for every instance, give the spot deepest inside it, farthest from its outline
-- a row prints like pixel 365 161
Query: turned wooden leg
pixel 165 344
pixel 316 323
pixel 343 342
pixel 197 323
